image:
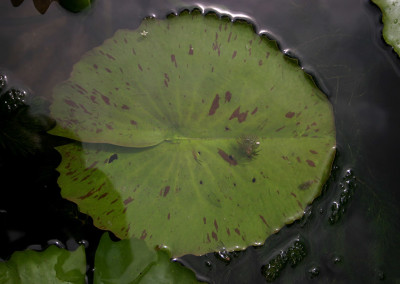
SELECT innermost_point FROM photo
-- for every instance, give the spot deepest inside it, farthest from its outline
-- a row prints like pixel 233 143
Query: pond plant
pixel 192 133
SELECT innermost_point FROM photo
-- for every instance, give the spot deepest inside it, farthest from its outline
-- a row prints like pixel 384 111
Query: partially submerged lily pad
pixel 164 112
pixel 54 265
pixel 391 20
pixel 131 261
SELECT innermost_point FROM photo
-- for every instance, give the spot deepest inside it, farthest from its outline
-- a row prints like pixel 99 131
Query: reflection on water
pixel 338 42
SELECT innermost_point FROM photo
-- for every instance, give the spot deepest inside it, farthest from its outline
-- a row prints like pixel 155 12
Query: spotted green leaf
pixel 391 20
pixel 54 265
pixel 197 134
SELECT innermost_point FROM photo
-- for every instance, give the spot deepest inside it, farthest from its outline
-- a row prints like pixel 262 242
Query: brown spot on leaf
pixel 290 114
pixel 298 159
pixel 305 185
pixel 109 126
pixel 190 50
pixel 108 70
pixel 254 111
pixel 115 200
pixel 112 158
pixel 92 191
pixel 234 54
pixel 204 220
pixel 173 59
pixel 166 190
pixel 228 97
pixel 263 219
pixel 313 152
pixel 71 103
pixel 228 231
pixel 144 235
pixel 310 163
pixel 237 231
pixel 237 114
pixel 85 178
pixel 140 67
pixel 103 195
pixel 279 129
pixel 109 212
pixel 260 62
pixel 125 107
pixel 106 99
pixel 216 225
pixel 301 206
pixel 92 165
pixel 214 105
pixel 110 56
pixel 229 36
pixel 208 238
pixel 95 66
pixel 166 77
pixel 227 158
pixel 214 236
pixel 293 194
pixel 128 200
pixel 133 122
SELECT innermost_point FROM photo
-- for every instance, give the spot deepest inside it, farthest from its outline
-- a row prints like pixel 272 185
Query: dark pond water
pixel 338 42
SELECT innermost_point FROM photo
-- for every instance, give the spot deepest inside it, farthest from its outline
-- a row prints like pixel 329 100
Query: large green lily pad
pixel 198 135
pixel 131 261
pixel 391 20
pixel 54 265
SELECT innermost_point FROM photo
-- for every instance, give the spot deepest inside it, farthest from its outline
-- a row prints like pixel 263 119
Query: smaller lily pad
pixel 54 265
pixel 131 261
pixel 391 20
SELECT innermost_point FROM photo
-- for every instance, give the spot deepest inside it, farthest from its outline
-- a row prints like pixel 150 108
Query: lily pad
pixel 391 20
pixel 54 265
pixel 131 261
pixel 198 134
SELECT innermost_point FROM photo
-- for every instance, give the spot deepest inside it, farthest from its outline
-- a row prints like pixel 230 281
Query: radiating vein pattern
pixel 159 117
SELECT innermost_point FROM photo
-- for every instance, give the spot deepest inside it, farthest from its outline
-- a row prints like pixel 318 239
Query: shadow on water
pixel 349 234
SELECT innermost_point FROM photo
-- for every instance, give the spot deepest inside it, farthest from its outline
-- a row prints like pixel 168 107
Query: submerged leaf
pixel 131 261
pixel 54 265
pixel 198 133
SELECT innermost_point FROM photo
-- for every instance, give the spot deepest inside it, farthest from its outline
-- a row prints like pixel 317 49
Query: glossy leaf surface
pixel 131 261
pixel 54 265
pixel 198 134
pixel 391 20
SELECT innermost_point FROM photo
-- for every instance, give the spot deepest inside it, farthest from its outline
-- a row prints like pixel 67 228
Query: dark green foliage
pixel 12 100
pixel 296 253
pixel 293 255
pixel 347 187
pixel 74 6
pixel 272 270
pixel 22 122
